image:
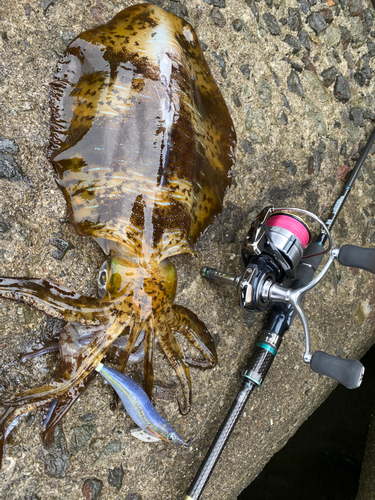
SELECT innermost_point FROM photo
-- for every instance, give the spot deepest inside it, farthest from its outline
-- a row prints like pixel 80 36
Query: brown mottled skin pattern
pixel 141 144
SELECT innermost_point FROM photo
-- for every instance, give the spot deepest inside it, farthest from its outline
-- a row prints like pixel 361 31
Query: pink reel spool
pixel 290 235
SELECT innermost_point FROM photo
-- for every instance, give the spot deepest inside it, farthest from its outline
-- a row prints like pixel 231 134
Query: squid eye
pixel 172 437
pixel 102 279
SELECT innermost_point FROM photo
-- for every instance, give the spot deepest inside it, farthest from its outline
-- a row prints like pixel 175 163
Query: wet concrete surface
pixel 296 131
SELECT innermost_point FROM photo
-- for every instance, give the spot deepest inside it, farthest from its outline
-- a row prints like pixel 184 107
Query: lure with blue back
pixel 138 405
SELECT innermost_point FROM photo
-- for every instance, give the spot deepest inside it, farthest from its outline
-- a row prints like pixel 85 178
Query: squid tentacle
pixel 175 356
pixel 59 407
pixel 87 360
pixel 188 324
pixel 56 300
pixel 63 405
pixel 135 330
pixel 46 349
pixel 148 365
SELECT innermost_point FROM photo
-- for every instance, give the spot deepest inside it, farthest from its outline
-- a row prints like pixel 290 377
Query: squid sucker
pixel 142 146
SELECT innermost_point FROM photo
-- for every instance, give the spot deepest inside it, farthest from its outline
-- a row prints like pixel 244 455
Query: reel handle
pixel 362 258
pixel 349 372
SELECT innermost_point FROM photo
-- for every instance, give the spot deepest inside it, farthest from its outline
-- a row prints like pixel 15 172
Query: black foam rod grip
pixel 363 258
pixel 349 372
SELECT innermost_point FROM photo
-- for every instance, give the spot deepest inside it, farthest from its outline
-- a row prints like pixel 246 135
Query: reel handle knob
pixel 362 258
pixel 349 372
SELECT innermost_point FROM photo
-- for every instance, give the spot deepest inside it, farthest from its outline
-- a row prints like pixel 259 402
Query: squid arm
pixel 56 300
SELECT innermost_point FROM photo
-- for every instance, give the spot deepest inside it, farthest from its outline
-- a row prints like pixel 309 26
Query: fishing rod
pixel 280 263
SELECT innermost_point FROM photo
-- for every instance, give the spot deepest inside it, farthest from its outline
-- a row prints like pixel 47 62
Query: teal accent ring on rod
pixel 268 347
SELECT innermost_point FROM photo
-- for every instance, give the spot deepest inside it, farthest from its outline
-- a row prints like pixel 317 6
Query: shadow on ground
pixel 323 459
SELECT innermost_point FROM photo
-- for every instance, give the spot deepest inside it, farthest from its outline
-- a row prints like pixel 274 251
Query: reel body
pixel 280 263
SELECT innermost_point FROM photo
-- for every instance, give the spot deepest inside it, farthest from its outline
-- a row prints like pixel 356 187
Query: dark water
pixel 323 459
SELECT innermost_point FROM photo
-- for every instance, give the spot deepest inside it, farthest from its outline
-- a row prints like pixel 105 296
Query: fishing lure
pixel 142 145
pixel 138 405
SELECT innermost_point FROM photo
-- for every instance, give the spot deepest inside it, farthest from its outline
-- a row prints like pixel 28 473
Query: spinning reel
pixel 280 263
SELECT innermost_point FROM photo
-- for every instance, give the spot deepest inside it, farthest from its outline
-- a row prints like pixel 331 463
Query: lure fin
pixel 144 436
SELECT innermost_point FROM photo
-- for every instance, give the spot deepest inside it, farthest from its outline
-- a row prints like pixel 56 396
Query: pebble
pixel 369 114
pixel 305 7
pixel 236 100
pixel 371 47
pixel 294 19
pixel 356 115
pixel 92 488
pixel 237 25
pixel 254 8
pixel 290 166
pixel 4 227
pixel 247 147
pixel 80 436
pixel 327 14
pixel 319 154
pixel 115 477
pixel 317 22
pixel 220 59
pixel 304 38
pixel 336 56
pixel 177 9
pixel 342 90
pixel 346 37
pixel 285 102
pixel 329 75
pixel 272 24
pixel 265 93
pixel 216 3
pixel 275 77
pixel 355 8
pixel 349 60
pixel 8 146
pixel 258 121
pixel 133 496
pixel 27 8
pixel 45 4
pixel 294 84
pixel 203 45
pixel 318 89
pixel 356 29
pixel 293 42
pixel 245 70
pixel 217 17
pixel 283 118
pixel 294 65
pixel 359 78
pixel 55 457
pixel 67 37
pixel 365 73
pixel 112 448
pixel 87 417
pixel 368 20
pixel 62 248
pixel 332 36
pixel 249 118
pixel 9 169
